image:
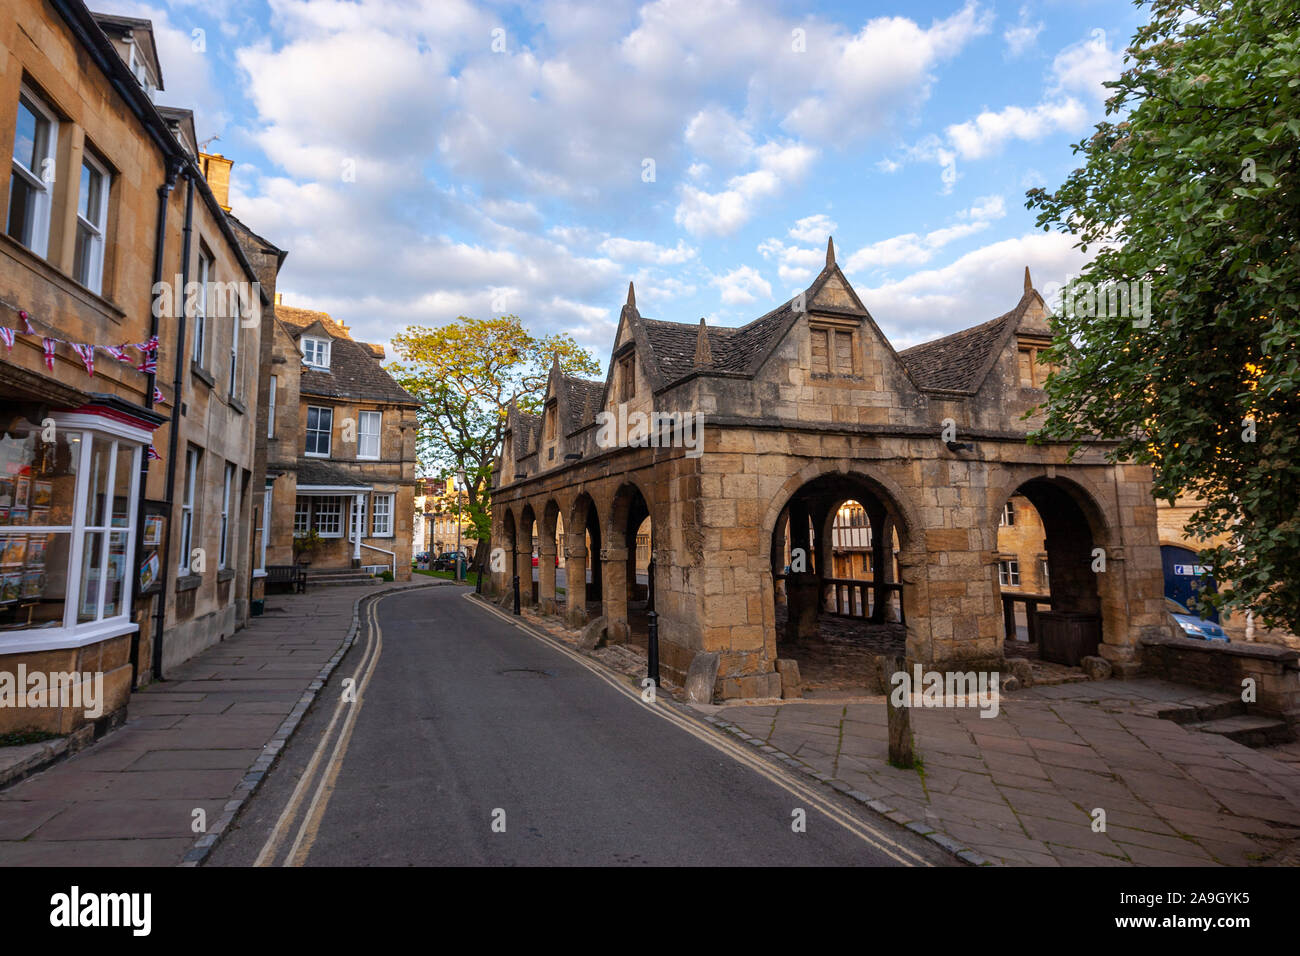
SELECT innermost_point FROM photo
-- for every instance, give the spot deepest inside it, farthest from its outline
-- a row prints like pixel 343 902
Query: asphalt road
pixel 468 721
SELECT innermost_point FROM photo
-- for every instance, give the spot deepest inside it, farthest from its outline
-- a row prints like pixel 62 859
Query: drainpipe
pixel 159 247
pixel 173 439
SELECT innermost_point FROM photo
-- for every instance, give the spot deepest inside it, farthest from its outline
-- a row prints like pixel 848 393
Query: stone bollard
pixel 900 718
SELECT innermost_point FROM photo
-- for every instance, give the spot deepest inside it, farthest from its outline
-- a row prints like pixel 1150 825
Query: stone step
pixel 1199 710
pixel 341 580
pixel 1248 730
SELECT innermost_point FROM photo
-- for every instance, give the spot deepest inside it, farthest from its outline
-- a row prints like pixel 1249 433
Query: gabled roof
pixel 584 402
pixel 121 26
pixel 354 370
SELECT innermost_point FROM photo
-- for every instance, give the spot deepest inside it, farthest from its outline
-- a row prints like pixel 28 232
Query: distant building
pixel 340 448
pixel 437 519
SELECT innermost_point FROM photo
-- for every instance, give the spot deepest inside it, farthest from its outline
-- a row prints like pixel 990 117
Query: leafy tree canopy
pixel 1190 185
pixel 466 372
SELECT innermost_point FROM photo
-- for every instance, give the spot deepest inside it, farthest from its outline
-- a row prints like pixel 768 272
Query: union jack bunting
pixel 150 364
pixel 50 345
pixel 150 346
pixel 118 352
pixel 87 353
pixel 7 335
pixel 158 396
pixel 27 326
pixel 153 455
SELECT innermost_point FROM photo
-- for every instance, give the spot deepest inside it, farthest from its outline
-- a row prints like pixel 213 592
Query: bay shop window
pixel 68 495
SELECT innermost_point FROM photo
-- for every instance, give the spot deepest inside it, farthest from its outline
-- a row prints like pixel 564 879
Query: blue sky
pixel 422 159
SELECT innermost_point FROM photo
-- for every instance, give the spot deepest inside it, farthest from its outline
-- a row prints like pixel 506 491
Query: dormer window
pixel 627 378
pixel 140 70
pixel 316 352
pixel 833 351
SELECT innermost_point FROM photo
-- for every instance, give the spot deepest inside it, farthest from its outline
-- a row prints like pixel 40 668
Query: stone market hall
pixel 804 409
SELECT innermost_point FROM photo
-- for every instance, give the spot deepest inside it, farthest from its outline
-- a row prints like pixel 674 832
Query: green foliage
pixel 466 373
pixel 1191 184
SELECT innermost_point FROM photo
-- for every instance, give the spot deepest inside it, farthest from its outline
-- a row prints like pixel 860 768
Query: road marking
pixel 270 850
pixel 739 752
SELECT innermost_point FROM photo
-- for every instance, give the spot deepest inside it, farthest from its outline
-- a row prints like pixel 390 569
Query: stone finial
pixel 830 252
pixel 1029 283
pixel 703 354
pixel 631 295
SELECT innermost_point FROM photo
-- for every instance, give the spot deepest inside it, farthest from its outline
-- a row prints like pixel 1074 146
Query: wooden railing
pixel 847 597
pixel 1031 601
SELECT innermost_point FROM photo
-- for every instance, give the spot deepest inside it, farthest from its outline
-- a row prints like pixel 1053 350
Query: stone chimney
pixel 216 170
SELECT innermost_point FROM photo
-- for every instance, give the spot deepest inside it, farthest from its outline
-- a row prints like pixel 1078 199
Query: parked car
pixel 557 561
pixel 447 561
pixel 421 560
pixel 1197 628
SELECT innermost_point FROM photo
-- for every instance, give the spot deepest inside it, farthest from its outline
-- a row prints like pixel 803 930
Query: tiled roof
pixel 584 402
pixel 312 471
pixel 956 361
pixel 354 370
pixel 300 319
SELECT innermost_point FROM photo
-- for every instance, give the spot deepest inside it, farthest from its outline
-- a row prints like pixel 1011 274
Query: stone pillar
pixel 524 568
pixel 614 573
pixel 803 589
pixel 882 562
pixel 575 577
pixel 358 512
pixel 546 575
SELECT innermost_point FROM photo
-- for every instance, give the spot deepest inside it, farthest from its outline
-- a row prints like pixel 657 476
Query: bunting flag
pixel 87 353
pixel 148 349
pixel 153 455
pixel 158 396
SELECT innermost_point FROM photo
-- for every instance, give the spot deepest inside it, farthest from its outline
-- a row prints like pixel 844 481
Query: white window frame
pixel 223 553
pixel 1008 518
pixel 382 505
pixel 129 443
pixel 234 391
pixel 1009 573
pixel 328 432
pixel 301 516
pixel 94 277
pixel 193 462
pixel 263 530
pixel 199 351
pixel 330 507
pixel 362 434
pixel 270 410
pixel 41 209
pixel 320 349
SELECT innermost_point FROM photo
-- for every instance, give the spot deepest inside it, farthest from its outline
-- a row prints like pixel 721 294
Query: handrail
pixel 391 554
pixel 1031 602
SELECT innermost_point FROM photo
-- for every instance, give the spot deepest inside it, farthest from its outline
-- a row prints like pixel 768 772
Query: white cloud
pixel 913 249
pixel 977 287
pixel 989 131
pixel 1021 36
pixel 813 228
pixel 742 285
pixel 636 250
pixel 1082 67
pixel 795 264
pixel 715 135
pixel 703 213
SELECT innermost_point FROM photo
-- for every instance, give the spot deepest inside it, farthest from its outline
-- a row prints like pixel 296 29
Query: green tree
pixel 466 372
pixel 1190 185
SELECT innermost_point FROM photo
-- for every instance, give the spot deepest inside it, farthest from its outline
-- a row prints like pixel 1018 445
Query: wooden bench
pixel 289 575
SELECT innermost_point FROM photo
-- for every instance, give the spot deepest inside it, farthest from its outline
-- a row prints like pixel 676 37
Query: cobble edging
pixel 875 804
pixel 206 843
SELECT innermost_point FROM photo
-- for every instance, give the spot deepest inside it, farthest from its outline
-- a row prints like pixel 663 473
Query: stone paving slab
pixel 1021 788
pixel 191 742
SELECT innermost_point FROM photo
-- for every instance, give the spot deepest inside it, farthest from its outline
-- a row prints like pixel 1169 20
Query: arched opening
pixel 1048 567
pixel 504 572
pixel 583 581
pixel 547 558
pixel 627 591
pixel 838 600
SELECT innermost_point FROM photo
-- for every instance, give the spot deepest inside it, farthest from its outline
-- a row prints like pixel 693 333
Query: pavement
pixel 474 742
pixel 192 747
pixel 1023 788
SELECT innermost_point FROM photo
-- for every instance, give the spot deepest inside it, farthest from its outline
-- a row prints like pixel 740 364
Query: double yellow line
pixel 741 753
pixel 325 775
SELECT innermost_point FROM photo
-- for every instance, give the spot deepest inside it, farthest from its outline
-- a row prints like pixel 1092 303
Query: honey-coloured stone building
pixel 803 409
